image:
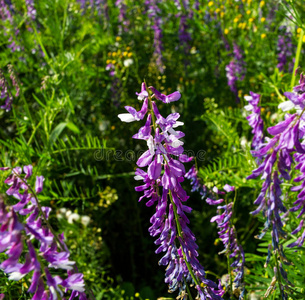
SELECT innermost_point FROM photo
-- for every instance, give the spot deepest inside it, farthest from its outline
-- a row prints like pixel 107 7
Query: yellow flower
pixel 128 48
pixel 248 12
pixel 217 10
pixel 113 62
pixel 263 35
pixel 114 54
pixel 108 61
pixel 235 20
pixel 226 31
pixel 210 3
pixel 222 14
pixel 125 53
pixel 263 20
pixel 129 54
pixel 303 38
pixel 299 30
pixel 251 20
pixel 118 38
pixel 137 295
pixel 262 3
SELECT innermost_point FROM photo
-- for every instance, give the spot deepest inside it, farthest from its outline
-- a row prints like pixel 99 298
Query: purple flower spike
pixel 228 236
pixel 164 190
pixel 277 156
pixel 235 70
pixel 255 120
pixel 16 238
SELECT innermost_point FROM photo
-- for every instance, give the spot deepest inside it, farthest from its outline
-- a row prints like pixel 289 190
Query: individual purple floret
pixel 255 120
pixel 285 50
pixel 169 224
pixel 17 237
pixel 228 236
pixel 236 70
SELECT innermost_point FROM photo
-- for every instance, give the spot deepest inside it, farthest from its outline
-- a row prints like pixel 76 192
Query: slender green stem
pixel 278 92
pixel 278 275
pixel 179 230
pixel 297 57
pixel 153 118
pixel 188 291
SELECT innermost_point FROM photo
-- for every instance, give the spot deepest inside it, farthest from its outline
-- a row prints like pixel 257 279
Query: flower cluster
pixel 31 11
pixel 5 88
pixel 285 51
pixel 153 12
pixel 277 156
pixel 235 70
pixel 255 120
pixel 6 14
pixel 185 13
pixel 123 21
pixel 17 237
pixel 169 223
pixel 228 236
pixel 192 175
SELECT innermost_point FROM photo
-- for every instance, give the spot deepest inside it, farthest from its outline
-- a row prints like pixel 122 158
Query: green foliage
pixel 65 123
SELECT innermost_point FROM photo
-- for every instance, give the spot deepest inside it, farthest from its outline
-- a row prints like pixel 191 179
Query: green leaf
pixel 73 127
pixel 56 132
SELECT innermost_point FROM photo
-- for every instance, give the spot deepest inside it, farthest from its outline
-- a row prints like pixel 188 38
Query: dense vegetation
pixel 71 224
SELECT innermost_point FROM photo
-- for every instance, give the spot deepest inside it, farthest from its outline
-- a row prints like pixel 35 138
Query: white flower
pixel 85 220
pixel 16 276
pixel 62 210
pixel 128 62
pixel 127 117
pixel 286 106
pixel 73 217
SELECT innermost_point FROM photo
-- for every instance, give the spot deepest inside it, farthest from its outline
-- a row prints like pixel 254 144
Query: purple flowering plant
pixel 32 248
pixel 279 156
pixel 164 172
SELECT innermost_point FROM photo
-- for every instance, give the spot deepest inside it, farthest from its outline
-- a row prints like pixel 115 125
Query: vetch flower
pixel 228 236
pixel 165 99
pixel 255 120
pixel 134 115
pixel 16 237
pixel 235 70
pixel 169 224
